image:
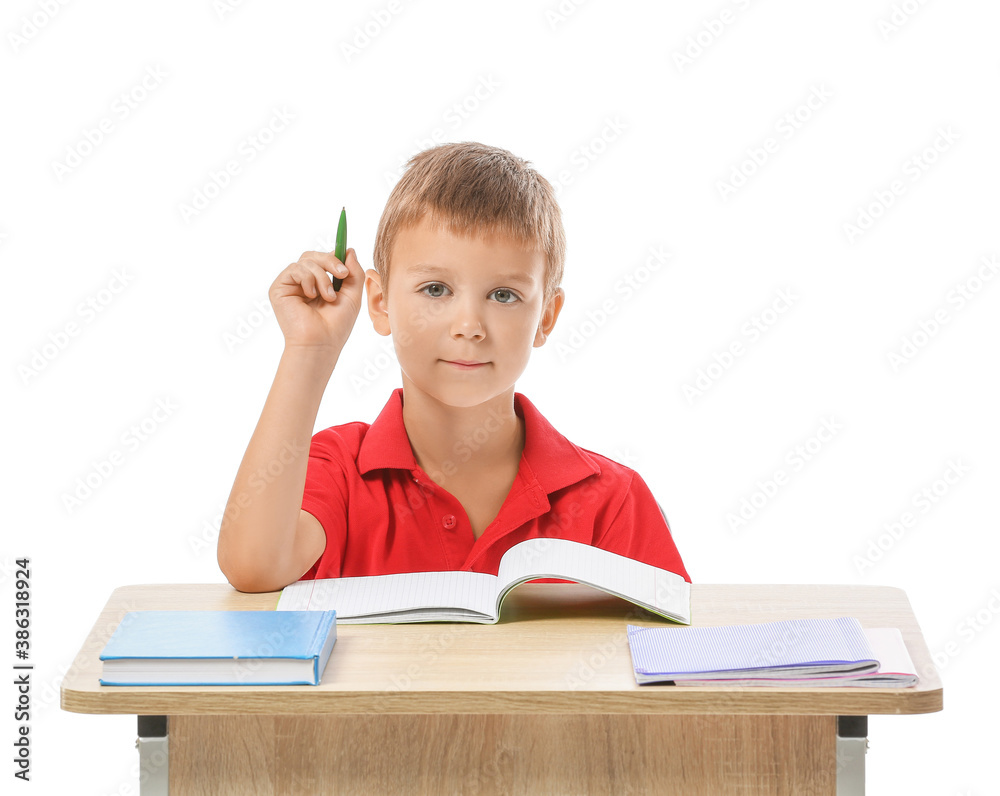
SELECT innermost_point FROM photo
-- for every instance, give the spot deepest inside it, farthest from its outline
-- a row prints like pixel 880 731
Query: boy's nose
pixel 466 321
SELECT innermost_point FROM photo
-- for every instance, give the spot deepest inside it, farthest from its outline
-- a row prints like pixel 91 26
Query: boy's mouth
pixel 464 364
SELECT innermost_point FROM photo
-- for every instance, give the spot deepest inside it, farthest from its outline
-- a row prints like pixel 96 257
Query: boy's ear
pixel 378 305
pixel 549 315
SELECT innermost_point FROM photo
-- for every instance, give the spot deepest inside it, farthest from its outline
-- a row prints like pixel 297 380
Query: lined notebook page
pixel 795 642
pixel 561 558
pixel 402 595
pixel 377 594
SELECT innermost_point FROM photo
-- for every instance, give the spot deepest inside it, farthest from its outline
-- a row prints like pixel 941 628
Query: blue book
pixel 219 648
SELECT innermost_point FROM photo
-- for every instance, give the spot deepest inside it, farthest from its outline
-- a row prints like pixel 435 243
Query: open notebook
pixel 803 652
pixel 476 596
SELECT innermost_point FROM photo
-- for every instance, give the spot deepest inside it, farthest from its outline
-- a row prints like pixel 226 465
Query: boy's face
pixel 453 299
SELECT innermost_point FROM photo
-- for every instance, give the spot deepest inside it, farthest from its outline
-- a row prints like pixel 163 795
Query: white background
pixel 601 99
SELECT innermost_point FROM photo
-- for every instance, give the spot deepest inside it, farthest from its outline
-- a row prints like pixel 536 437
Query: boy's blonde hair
pixel 475 190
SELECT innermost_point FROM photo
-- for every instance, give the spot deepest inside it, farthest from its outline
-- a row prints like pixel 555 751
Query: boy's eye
pixel 505 296
pixel 435 289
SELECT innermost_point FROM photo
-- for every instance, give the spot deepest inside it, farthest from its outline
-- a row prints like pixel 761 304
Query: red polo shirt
pixel 383 514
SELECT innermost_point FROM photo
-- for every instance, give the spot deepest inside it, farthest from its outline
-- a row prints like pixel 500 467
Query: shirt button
pixel 448 520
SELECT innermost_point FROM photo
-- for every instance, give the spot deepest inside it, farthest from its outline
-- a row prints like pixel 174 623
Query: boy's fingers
pixel 318 256
pixel 304 274
pixel 321 279
pixel 350 263
pixel 310 285
pixel 349 268
pixel 313 270
pixel 328 262
pixel 321 257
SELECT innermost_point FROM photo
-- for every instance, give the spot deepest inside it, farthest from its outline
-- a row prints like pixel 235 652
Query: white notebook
pixel 805 652
pixel 461 596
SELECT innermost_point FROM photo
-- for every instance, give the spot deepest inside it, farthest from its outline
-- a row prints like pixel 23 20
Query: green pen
pixel 340 250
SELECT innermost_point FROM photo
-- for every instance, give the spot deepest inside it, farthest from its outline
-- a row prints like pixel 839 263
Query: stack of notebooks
pixel 796 652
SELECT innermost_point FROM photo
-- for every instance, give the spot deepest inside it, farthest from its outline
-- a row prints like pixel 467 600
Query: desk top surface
pixel 558 648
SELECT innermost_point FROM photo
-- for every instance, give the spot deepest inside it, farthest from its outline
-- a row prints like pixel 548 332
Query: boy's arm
pixel 266 541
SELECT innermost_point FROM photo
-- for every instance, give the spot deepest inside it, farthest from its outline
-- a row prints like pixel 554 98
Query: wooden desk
pixel 545 702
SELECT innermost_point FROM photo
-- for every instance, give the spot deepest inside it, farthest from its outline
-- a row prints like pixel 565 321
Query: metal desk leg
pixel 852 744
pixel 153 758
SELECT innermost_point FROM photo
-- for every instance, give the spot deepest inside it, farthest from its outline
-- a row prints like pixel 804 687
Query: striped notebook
pixel 804 652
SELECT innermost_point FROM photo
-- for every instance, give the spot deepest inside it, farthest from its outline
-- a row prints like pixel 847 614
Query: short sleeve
pixel 325 497
pixel 639 530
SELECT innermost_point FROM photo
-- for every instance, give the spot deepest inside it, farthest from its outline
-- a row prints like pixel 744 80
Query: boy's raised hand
pixel 309 311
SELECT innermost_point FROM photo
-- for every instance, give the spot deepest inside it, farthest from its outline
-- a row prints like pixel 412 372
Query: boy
pixel 457 467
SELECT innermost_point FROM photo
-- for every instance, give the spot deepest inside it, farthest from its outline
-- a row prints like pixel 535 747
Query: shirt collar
pixel 553 460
